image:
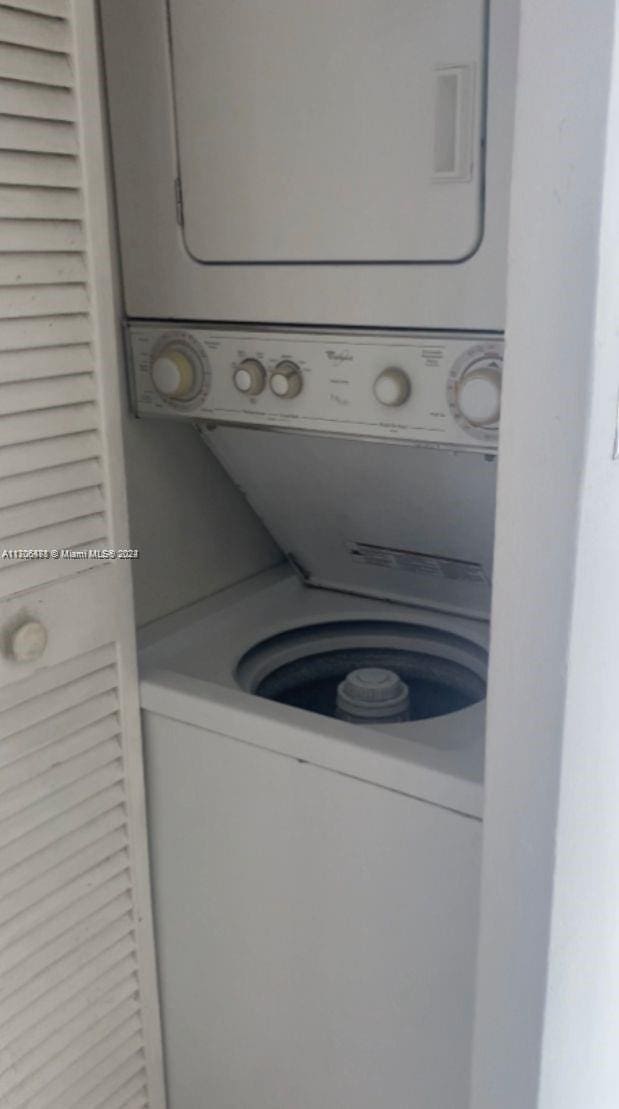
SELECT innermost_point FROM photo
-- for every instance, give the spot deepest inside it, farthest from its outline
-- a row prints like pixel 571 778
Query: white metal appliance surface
pixel 438 388
pixel 318 163
pixel 388 444
pixel 316 877
pixel 394 521
pixel 315 883
pixel 331 136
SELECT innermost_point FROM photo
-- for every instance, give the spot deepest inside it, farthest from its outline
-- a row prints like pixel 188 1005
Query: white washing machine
pixel 328 163
pixel 315 736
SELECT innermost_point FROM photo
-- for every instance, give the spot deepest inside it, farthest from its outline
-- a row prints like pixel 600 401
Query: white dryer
pixel 322 163
pixel 315 736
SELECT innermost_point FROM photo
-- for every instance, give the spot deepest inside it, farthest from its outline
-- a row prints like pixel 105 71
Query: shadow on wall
pixel 195 532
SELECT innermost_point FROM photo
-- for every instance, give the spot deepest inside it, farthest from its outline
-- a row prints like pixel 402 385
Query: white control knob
pixel 28 642
pixel 286 380
pixel 249 377
pixel 176 374
pixel 392 388
pixel 478 395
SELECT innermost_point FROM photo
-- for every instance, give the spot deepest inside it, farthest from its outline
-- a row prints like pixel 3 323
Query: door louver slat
pixel 79 1016
pixel 64 697
pixel 29 426
pixel 71 993
pixel 20 692
pixel 124 1091
pixel 104 1089
pixel 58 851
pixel 37 136
pixel 30 766
pixel 62 900
pixel 21 98
pixel 40 948
pixel 134 1103
pixel 117 1048
pixel 85 531
pixel 109 1038
pixel 55 393
pixel 59 171
pixel 69 988
pixel 43 300
pixel 103 945
pixel 41 269
pixel 23 28
pixel 30 202
pixel 56 828
pixel 22 64
pixel 58 8
pixel 57 803
pixel 24 458
pixel 16 235
pixel 33 365
pixel 66 870
pixel 23 488
pixel 22 575
pixel 45 331
pixel 27 519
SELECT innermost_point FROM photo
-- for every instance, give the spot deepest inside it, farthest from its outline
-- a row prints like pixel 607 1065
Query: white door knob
pixel 478 395
pixel 175 375
pixel 250 377
pixel 28 642
pixel 286 380
pixel 392 388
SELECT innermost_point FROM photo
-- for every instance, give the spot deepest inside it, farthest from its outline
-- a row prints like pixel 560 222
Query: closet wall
pixel 195 532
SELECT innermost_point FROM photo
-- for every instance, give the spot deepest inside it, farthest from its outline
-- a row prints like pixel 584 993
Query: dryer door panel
pixel 324 132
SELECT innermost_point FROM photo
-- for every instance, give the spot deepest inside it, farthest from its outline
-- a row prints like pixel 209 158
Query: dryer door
pixel 348 131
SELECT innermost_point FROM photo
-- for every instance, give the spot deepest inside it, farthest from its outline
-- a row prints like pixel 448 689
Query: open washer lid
pixel 396 521
pixel 330 130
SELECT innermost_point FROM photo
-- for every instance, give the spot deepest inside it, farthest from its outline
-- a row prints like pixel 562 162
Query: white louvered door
pixel 79 1023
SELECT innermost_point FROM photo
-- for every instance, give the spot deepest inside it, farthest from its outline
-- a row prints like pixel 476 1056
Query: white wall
pixel 195 532
pixel 548 988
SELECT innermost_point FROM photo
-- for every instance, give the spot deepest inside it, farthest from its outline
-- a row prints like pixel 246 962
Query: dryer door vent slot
pixel 453 134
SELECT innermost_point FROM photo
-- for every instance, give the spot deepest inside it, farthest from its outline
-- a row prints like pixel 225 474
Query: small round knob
pixel 478 395
pixel 175 374
pixel 28 641
pixel 286 380
pixel 249 377
pixel 392 387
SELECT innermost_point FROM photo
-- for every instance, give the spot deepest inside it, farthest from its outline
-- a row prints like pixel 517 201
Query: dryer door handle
pixel 454 123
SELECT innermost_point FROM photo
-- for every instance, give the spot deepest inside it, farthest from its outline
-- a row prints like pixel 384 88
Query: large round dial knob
pixel 176 374
pixel 392 387
pixel 286 380
pixel 249 377
pixel 478 395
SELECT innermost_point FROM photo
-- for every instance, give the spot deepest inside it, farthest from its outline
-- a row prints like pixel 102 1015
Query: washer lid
pixel 345 130
pixel 395 521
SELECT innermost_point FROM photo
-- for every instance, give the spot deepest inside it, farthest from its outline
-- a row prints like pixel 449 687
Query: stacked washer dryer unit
pixel 315 735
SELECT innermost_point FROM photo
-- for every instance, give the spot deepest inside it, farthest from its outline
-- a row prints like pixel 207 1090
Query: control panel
pixel 435 388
